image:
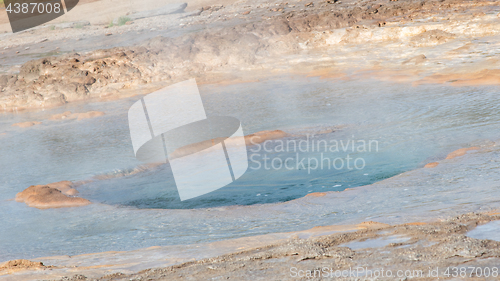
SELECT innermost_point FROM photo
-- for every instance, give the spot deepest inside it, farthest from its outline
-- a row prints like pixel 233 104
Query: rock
pixel 252 139
pixel 73 24
pixel 165 10
pixel 431 165
pixel 460 152
pixel 456 153
pixel 27 124
pixel 99 73
pixel 45 197
pixel 373 224
pixel 416 60
pixel 431 38
pixel 246 13
pixel 42 40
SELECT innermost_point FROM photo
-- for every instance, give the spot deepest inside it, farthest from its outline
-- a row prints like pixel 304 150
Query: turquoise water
pixel 411 125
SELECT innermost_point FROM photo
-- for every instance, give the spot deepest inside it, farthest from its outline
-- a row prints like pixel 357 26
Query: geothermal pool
pixel 411 126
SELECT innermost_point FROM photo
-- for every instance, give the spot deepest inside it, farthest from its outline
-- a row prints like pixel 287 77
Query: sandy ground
pixel 402 41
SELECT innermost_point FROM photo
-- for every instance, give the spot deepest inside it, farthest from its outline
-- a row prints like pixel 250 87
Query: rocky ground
pixel 424 247
pixel 450 41
pixel 376 251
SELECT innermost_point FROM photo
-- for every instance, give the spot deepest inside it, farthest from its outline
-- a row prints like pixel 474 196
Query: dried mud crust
pixel 206 54
pixel 19 265
pixel 428 245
